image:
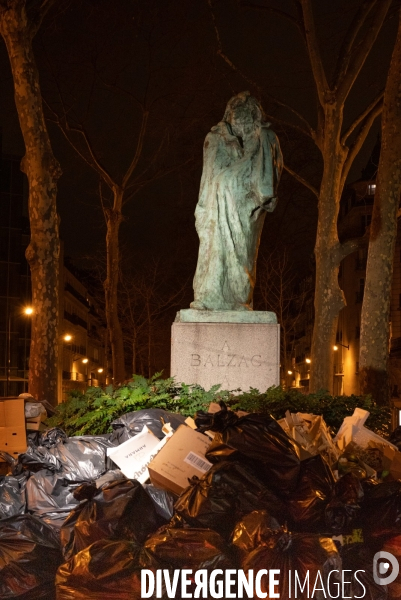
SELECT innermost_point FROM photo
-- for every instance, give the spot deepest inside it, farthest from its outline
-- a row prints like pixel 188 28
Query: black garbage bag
pixel 12 495
pixel 120 510
pixel 381 510
pixel 106 570
pixel 227 492
pixel 307 503
pixel 37 458
pixel 130 424
pixel 256 529
pixel 83 458
pixel 359 557
pixel 256 439
pixel 342 511
pixel 308 555
pixel 162 499
pixel 187 548
pixel 50 497
pixel 395 437
pixel 52 437
pixel 79 458
pixel 29 557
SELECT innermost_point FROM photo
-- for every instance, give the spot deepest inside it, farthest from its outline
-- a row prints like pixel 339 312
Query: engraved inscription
pixel 195 360
pixel 230 360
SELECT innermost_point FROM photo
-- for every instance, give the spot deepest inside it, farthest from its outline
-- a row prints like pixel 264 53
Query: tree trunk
pixel 113 221
pixel 329 299
pixel 375 318
pixel 42 171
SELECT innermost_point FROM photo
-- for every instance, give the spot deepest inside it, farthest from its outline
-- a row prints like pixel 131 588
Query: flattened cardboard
pixel 176 462
pixel 135 454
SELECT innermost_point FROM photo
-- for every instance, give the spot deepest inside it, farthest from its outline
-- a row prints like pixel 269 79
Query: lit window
pixel 371 189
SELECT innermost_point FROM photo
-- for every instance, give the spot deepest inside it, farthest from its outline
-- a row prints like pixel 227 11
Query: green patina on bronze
pixel 242 163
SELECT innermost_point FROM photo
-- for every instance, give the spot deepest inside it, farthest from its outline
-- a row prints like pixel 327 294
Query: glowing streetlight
pixel 100 370
pixel 85 360
pixel 67 337
pixel 308 360
pixel 28 311
pixel 338 344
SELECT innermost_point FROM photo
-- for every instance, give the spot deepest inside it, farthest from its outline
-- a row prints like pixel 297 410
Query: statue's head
pixel 244 113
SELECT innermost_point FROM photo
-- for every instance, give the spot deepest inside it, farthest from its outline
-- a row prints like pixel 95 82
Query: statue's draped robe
pixel 235 181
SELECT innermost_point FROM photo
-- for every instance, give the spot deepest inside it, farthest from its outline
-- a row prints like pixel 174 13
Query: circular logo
pixel 380 569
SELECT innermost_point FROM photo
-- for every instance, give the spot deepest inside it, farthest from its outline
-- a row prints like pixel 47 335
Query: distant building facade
pixel 355 216
pixel 84 357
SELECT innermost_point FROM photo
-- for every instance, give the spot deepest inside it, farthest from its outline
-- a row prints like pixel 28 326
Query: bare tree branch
pixel 226 59
pixel 360 54
pixel 138 150
pixel 302 180
pixel 276 11
pixel 37 12
pixel 349 40
pixel 352 245
pixel 322 87
pixel 308 130
pixel 371 107
pixel 359 140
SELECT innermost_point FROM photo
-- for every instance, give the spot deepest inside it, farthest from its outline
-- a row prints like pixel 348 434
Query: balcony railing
pixel 75 319
pixel 74 376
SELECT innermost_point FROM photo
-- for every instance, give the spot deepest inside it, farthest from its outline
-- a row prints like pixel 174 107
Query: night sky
pixel 102 59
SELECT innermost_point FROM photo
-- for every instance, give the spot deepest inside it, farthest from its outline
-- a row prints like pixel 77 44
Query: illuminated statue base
pixel 235 355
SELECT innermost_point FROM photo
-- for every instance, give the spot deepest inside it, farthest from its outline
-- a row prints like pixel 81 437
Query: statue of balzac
pixel 242 164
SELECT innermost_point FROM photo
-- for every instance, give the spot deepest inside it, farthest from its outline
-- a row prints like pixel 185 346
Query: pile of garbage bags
pixel 72 526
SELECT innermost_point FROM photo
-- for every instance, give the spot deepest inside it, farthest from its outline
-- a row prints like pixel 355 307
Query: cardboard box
pixel 35 423
pixel 12 426
pixel 2 415
pixel 13 440
pixel 14 411
pixel 15 437
pixel 181 458
pixel 134 455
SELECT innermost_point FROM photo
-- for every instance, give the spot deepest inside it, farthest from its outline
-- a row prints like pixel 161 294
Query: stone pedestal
pixel 235 355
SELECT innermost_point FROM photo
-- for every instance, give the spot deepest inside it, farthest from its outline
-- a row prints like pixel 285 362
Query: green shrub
pixel 92 413
pixel 334 409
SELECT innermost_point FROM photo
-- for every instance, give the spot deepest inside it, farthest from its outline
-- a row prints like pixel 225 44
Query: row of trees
pixel 339 140
pixel 337 137
pixel 75 89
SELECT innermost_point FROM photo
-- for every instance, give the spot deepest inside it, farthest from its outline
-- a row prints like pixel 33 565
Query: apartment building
pixel 84 356
pixel 354 217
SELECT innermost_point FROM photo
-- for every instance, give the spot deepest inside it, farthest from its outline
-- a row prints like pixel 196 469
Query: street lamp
pixel 308 360
pixel 335 347
pixel 28 310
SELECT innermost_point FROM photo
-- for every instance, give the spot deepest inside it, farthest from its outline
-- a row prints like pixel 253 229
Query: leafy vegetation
pixel 93 412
